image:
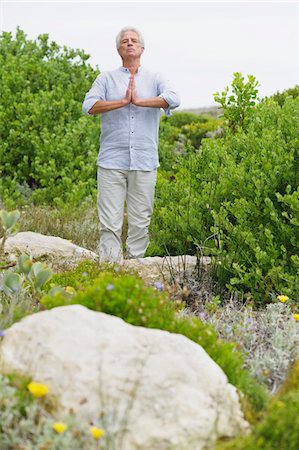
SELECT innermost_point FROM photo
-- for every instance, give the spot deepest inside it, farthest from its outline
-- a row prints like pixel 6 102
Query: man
pixel 129 101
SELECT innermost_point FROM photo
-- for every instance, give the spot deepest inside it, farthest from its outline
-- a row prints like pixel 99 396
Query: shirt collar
pixel 125 69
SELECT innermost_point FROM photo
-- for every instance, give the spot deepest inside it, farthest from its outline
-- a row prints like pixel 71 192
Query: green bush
pixel 124 295
pixel 279 428
pixel 48 148
pixel 237 198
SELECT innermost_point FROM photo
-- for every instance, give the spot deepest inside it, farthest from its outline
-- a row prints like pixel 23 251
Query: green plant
pixel 238 105
pixel 48 148
pixel 9 225
pixel 237 199
pixel 20 289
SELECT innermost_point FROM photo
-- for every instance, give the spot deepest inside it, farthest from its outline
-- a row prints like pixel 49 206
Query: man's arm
pixel 154 102
pixel 104 106
pixel 108 105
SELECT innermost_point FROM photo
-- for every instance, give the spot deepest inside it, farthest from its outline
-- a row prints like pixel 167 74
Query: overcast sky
pixel 197 45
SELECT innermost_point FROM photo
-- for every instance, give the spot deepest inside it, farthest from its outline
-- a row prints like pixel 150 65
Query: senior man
pixel 129 101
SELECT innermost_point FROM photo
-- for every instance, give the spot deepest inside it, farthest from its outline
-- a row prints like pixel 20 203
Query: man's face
pixel 130 45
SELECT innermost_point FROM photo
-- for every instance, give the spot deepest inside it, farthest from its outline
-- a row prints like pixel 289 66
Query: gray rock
pixel 157 390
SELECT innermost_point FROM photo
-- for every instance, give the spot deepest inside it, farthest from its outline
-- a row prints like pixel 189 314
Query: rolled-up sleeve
pixel 168 93
pixel 96 92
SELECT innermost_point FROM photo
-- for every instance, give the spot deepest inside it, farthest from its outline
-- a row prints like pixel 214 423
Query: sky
pixel 196 45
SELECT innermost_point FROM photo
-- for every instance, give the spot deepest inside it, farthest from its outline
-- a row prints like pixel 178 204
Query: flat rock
pixel 54 250
pixel 156 390
pixel 169 269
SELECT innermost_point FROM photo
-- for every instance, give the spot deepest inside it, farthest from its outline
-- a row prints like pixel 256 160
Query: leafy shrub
pixel 237 198
pixel 179 130
pixel 126 296
pixel 279 428
pixel 48 148
pixel 280 97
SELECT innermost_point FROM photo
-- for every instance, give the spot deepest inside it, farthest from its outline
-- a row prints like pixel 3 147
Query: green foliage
pixel 280 97
pixel 279 427
pixel 237 198
pixel 238 104
pixel 48 148
pixel 9 225
pixel 20 289
pixel 126 296
pixel 178 131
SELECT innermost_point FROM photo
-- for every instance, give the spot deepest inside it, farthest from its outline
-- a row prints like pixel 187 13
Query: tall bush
pixel 238 198
pixel 48 147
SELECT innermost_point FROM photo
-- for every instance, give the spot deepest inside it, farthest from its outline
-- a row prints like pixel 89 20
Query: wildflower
pixel 70 290
pixel 2 333
pixel 159 286
pixel 96 432
pixel 59 427
pixel 296 317
pixel 282 298
pixel 84 274
pixel 38 389
pixel 110 287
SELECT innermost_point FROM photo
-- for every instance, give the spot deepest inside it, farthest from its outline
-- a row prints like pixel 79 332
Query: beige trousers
pixel 137 189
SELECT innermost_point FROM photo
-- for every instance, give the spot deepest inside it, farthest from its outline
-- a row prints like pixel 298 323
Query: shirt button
pixel 132 131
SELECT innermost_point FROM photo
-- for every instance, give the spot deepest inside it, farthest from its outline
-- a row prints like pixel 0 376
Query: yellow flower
pixel 59 427
pixel 96 432
pixel 70 290
pixel 38 389
pixel 296 317
pixel 282 298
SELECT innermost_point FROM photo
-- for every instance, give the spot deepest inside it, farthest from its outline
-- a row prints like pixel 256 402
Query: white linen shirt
pixel 129 135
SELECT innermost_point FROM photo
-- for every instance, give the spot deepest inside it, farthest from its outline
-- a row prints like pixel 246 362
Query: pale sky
pixel 197 45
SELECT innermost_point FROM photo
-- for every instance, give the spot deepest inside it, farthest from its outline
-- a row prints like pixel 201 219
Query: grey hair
pixel 123 30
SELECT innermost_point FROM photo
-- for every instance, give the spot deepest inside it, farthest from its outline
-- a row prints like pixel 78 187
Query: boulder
pixel 150 389
pixel 57 252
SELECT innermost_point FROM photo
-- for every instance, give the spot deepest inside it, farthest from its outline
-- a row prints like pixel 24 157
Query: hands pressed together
pixel 131 93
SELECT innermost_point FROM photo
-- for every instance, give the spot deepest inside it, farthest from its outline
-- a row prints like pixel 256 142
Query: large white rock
pixel 161 388
pixel 55 250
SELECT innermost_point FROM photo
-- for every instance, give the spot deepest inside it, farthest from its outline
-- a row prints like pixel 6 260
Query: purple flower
pixel 202 315
pixel 228 329
pixel 110 287
pixel 2 333
pixel 159 286
pixel 84 274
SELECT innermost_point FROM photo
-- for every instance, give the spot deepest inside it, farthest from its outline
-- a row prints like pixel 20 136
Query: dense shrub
pixel 238 198
pixel 48 147
pixel 126 296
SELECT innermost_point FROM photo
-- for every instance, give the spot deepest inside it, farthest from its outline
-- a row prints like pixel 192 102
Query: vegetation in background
pixel 237 198
pixel 48 147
